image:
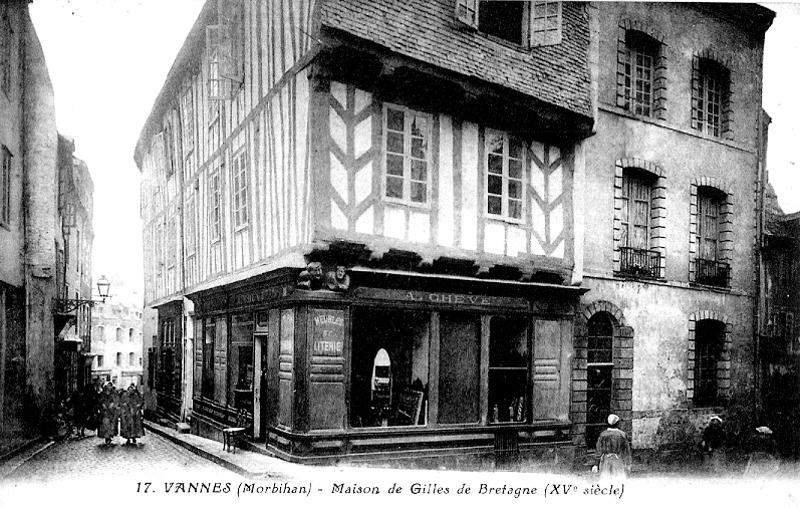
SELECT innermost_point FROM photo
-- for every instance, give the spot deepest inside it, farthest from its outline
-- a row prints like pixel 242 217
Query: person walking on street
pixel 613 451
pixel 713 446
pixel 131 426
pixel 109 407
pixel 763 461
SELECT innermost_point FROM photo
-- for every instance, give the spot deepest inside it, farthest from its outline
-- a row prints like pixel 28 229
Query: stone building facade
pixel 456 230
pixel 117 344
pixel 38 179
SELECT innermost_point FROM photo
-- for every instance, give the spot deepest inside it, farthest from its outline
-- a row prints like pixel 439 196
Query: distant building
pixel 117 344
pixel 462 228
pixel 45 239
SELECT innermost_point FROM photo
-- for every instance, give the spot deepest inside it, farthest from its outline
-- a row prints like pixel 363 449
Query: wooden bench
pixel 233 437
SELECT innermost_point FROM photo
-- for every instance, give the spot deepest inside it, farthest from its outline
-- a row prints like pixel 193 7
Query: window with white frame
pixel 191 227
pixel 5 187
pixel 214 205
pixel 187 120
pixel 240 174
pixel 505 177
pixel 527 23
pixel 406 155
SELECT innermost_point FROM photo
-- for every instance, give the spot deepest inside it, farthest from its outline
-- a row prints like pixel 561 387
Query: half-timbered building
pixel 367 223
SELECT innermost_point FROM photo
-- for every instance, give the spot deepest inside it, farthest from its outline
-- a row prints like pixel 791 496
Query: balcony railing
pixel 640 263
pixel 712 272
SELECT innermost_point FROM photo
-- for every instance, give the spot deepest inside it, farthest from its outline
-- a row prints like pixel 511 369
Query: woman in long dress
pixel 613 450
pixel 131 416
pixel 109 411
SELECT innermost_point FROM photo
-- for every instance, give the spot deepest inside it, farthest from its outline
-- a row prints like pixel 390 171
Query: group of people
pixel 120 414
pixel 109 411
pixel 613 451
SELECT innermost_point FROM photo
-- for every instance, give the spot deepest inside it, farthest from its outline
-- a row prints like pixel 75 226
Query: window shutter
pixel 622 64
pixel 197 380
pixel 696 93
pixel 545 23
pixel 221 362
pixel 467 12
pixel 551 370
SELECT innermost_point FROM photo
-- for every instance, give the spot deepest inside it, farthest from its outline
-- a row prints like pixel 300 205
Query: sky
pixel 108 60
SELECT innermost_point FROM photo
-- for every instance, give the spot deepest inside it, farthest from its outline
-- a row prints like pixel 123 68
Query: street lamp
pixel 102 287
pixel 70 305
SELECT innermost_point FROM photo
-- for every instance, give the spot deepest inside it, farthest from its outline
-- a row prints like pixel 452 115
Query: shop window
pixel 407 162
pixel 508 370
pixel 459 368
pixel 390 358
pixel 600 369
pixel 709 337
pixel 504 176
pixel 241 362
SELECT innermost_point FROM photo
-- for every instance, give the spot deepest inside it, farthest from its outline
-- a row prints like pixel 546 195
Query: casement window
pixel 5 187
pixel 240 175
pixel 406 156
pixel 214 205
pixel 118 334
pixel 131 359
pixel 191 224
pixel 187 121
pixel 599 375
pixel 526 23
pixel 6 43
pixel 637 257
pixel 169 151
pixel 505 178
pixel 710 97
pixel 709 339
pixel 100 360
pixel 119 359
pixel 637 79
pixel 710 268
pixel 172 242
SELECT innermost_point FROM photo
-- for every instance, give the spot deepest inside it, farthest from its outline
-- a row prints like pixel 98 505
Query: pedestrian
pixel 131 426
pixel 613 451
pixel 763 460
pixel 109 407
pixel 91 406
pixel 79 412
pixel 713 446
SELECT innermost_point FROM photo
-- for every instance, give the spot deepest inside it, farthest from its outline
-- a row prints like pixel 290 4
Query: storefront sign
pixel 441 298
pixel 257 296
pixel 328 337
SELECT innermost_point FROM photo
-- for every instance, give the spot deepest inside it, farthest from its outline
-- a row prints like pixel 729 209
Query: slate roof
pixel 427 30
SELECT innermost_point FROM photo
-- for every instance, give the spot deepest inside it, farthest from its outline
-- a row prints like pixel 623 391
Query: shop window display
pixel 508 370
pixel 241 361
pixel 390 358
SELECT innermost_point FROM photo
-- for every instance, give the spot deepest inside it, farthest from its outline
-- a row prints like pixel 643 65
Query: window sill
pixel 407 204
pixel 715 288
pixel 510 221
pixel 639 278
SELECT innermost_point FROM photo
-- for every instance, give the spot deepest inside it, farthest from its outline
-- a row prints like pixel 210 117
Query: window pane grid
pixel 214 207
pixel 505 176
pixel 638 77
pixel 406 156
pixel 240 190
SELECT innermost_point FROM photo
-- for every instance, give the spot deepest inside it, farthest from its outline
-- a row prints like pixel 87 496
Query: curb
pixel 13 453
pixel 200 452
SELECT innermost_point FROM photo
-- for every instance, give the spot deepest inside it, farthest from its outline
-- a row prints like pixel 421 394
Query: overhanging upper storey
pixel 524 79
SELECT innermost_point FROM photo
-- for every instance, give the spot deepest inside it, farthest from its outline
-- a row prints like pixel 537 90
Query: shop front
pixel 396 366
